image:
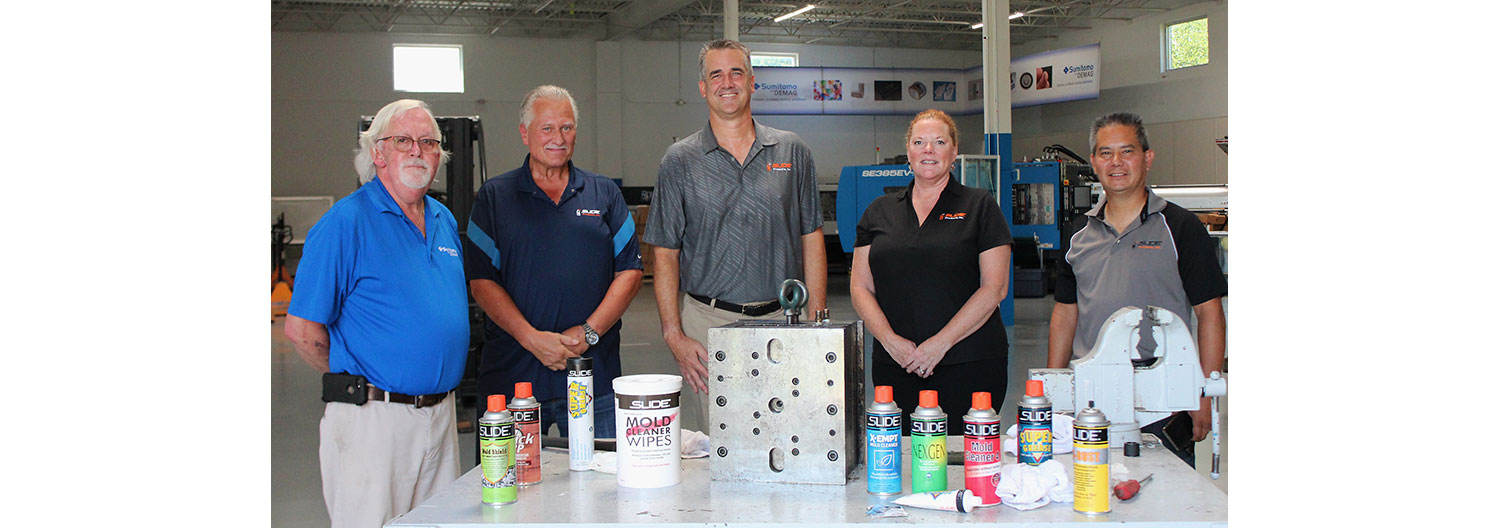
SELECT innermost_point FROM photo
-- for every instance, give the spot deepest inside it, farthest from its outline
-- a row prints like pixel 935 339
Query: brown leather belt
pixel 752 311
pixel 425 400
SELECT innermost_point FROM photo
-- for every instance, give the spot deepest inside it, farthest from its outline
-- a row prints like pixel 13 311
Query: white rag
pixel 694 445
pixel 1026 487
pixel 1062 435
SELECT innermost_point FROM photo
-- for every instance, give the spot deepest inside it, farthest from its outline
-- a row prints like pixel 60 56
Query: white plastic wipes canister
pixel 649 430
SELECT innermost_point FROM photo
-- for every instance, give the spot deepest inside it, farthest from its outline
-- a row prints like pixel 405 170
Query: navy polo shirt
pixel 925 273
pixel 393 300
pixel 556 261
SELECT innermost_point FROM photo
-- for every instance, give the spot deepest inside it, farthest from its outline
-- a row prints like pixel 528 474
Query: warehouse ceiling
pixel 927 24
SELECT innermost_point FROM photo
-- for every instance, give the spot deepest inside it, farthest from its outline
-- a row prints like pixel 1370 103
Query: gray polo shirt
pixel 739 226
pixel 1164 258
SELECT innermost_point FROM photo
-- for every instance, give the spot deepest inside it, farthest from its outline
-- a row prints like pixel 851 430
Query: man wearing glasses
pixel 381 310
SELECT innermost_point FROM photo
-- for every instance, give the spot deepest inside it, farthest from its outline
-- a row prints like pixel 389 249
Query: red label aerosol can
pixel 982 449
pixel 528 415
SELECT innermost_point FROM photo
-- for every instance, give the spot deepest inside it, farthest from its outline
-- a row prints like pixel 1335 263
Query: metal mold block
pixel 788 401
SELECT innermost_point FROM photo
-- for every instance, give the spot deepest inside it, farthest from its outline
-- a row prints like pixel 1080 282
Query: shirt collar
pixel 707 142
pixel 1154 204
pixel 381 198
pixel 950 188
pixel 528 185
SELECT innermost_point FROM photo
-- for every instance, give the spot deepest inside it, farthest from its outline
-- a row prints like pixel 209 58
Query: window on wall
pixel 1185 44
pixel 432 68
pixel 758 59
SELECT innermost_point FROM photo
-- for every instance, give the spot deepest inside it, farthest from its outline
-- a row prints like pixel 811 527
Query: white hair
pixel 546 91
pixel 364 155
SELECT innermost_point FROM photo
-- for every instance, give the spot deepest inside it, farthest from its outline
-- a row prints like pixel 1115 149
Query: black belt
pixel 425 400
pixel 752 311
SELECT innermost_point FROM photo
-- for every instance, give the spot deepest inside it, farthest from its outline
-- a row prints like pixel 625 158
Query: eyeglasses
pixel 403 143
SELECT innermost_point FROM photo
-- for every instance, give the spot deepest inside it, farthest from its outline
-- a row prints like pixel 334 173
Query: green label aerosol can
pixel 929 445
pixel 497 453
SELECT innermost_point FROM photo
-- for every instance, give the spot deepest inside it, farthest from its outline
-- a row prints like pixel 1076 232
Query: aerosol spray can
pixel 497 453
pixel 929 444
pixel 1034 425
pixel 528 417
pixel 982 449
pixel 1091 462
pixel 883 444
pixel 580 413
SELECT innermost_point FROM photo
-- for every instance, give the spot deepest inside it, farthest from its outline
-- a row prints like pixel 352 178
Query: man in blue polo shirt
pixel 553 261
pixel 380 310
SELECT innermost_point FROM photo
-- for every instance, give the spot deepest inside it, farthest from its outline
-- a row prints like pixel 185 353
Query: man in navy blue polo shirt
pixel 380 309
pixel 554 261
pixel 1137 249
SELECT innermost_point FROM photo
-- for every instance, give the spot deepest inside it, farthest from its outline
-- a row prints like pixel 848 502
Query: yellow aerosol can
pixel 1091 462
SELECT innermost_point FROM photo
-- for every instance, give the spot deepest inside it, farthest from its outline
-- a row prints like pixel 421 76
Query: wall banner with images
pixel 866 91
pixel 1055 76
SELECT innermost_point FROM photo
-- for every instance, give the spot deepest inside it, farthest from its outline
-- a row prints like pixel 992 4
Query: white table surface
pixel 1175 496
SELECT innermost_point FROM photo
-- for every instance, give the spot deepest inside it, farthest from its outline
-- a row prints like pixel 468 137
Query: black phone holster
pixel 345 388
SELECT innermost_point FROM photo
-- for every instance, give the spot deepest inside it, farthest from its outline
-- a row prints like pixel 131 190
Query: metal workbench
pixel 1176 496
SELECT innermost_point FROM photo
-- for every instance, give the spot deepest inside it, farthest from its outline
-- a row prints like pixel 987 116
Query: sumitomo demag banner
pixel 1054 76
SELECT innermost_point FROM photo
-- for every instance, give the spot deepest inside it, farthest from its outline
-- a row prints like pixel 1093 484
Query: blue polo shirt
pixel 556 261
pixel 395 302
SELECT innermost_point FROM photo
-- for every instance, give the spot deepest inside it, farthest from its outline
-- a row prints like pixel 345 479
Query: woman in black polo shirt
pixel 931 265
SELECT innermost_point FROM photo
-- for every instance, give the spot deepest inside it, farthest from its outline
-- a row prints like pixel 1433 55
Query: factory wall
pixel 1185 110
pixel 634 99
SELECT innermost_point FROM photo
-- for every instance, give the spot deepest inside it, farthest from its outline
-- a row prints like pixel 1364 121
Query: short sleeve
pixel 665 222
pixel 627 248
pixel 1197 260
pixel 994 231
pixel 810 204
pixel 1066 289
pixel 864 231
pixel 324 274
pixel 481 254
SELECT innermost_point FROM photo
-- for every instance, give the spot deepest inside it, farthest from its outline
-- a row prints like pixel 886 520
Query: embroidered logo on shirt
pixel 778 166
pixel 952 216
pixel 450 251
pixel 1147 244
pixel 587 212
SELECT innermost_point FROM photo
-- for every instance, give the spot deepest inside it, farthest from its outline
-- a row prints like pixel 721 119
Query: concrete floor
pixel 296 487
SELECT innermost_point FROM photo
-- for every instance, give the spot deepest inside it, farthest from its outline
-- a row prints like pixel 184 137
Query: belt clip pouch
pixel 345 388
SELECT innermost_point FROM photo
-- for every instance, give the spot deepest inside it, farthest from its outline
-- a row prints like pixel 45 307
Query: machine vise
pixel 1143 367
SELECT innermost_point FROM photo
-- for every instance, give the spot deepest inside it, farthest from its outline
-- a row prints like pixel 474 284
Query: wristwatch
pixel 589 335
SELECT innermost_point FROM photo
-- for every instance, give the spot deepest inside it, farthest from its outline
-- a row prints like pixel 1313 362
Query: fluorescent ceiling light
pixel 809 7
pixel 1016 15
pixel 977 26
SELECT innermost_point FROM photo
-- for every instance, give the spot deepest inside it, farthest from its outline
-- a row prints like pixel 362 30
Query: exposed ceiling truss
pixel 932 24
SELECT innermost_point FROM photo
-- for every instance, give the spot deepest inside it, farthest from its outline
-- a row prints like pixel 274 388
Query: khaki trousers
pixel 380 459
pixel 697 318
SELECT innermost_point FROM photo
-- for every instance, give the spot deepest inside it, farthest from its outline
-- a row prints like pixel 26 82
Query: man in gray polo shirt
pixel 734 213
pixel 1136 249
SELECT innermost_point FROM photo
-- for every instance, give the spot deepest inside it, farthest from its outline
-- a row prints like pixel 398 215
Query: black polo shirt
pixel 924 274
